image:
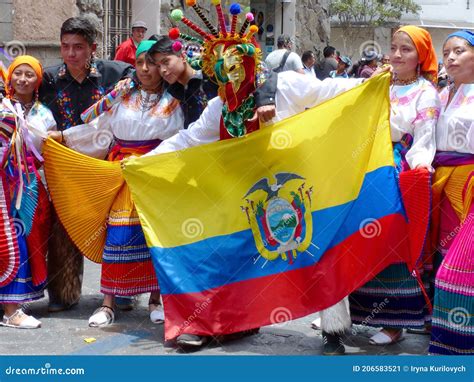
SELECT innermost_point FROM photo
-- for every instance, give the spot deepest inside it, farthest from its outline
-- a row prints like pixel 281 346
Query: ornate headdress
pixel 232 57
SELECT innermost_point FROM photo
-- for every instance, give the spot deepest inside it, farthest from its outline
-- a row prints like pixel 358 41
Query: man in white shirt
pixel 283 59
pixel 308 63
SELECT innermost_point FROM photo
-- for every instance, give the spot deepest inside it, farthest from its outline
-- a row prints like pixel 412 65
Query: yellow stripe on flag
pixel 197 193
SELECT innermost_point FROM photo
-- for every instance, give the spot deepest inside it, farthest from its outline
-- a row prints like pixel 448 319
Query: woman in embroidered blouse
pixel 452 225
pixel 135 125
pixel 415 108
pixel 24 222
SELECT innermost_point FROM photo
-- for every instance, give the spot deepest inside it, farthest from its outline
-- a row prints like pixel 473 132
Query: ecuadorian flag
pixel 275 225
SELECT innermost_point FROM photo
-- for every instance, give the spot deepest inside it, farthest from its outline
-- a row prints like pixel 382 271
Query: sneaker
pixel 191 340
pixel 332 344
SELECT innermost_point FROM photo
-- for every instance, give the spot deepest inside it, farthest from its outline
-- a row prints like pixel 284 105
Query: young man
pixel 194 89
pixel 343 65
pixel 127 50
pixel 68 89
pixel 328 64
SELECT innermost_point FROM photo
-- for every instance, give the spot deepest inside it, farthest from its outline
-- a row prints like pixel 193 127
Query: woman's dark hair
pixel 80 26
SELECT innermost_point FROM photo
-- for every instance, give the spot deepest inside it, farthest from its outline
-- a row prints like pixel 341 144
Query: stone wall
pixel 41 20
pixel 6 19
pixel 312 25
pixel 35 26
pixel 168 5
pixel 94 11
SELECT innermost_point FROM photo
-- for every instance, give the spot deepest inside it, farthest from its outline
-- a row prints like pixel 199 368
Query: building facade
pixel 33 26
pixel 439 17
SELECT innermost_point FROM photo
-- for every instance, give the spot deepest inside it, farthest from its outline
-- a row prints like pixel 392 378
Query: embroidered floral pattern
pixel 427 114
pixel 164 107
pixel 98 94
pixel 65 109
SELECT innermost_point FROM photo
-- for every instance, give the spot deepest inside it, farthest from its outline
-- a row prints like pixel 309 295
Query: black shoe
pixel 332 344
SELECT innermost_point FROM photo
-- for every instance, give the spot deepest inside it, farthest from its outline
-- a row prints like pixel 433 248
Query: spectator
pixel 283 59
pixel 127 50
pixel 369 63
pixel 308 63
pixel 354 71
pixel 342 67
pixel 385 59
pixel 328 64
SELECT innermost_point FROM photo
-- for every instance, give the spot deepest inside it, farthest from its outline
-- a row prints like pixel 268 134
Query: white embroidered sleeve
pixel 423 150
pixel 204 130
pixel 93 139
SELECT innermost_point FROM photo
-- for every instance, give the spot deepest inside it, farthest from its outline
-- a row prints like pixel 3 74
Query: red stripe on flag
pixel 265 300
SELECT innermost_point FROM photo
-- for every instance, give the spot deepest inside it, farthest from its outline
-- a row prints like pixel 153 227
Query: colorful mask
pixel 232 58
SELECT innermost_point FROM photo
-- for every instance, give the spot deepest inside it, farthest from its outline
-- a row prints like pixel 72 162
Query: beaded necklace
pixel 26 106
pixel 409 81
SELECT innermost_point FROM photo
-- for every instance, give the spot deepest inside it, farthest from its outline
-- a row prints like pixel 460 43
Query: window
pixel 117 22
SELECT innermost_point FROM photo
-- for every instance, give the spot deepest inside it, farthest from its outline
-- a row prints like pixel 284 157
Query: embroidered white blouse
pixel 415 110
pixel 455 129
pixel 138 117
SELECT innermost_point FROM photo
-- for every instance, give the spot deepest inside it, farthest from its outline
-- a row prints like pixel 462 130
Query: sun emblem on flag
pixel 281 227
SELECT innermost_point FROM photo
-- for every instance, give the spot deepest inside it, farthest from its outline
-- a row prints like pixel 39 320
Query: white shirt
pixel 455 129
pixel 127 121
pixel 295 93
pixel 414 110
pixel 293 62
pixel 309 71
